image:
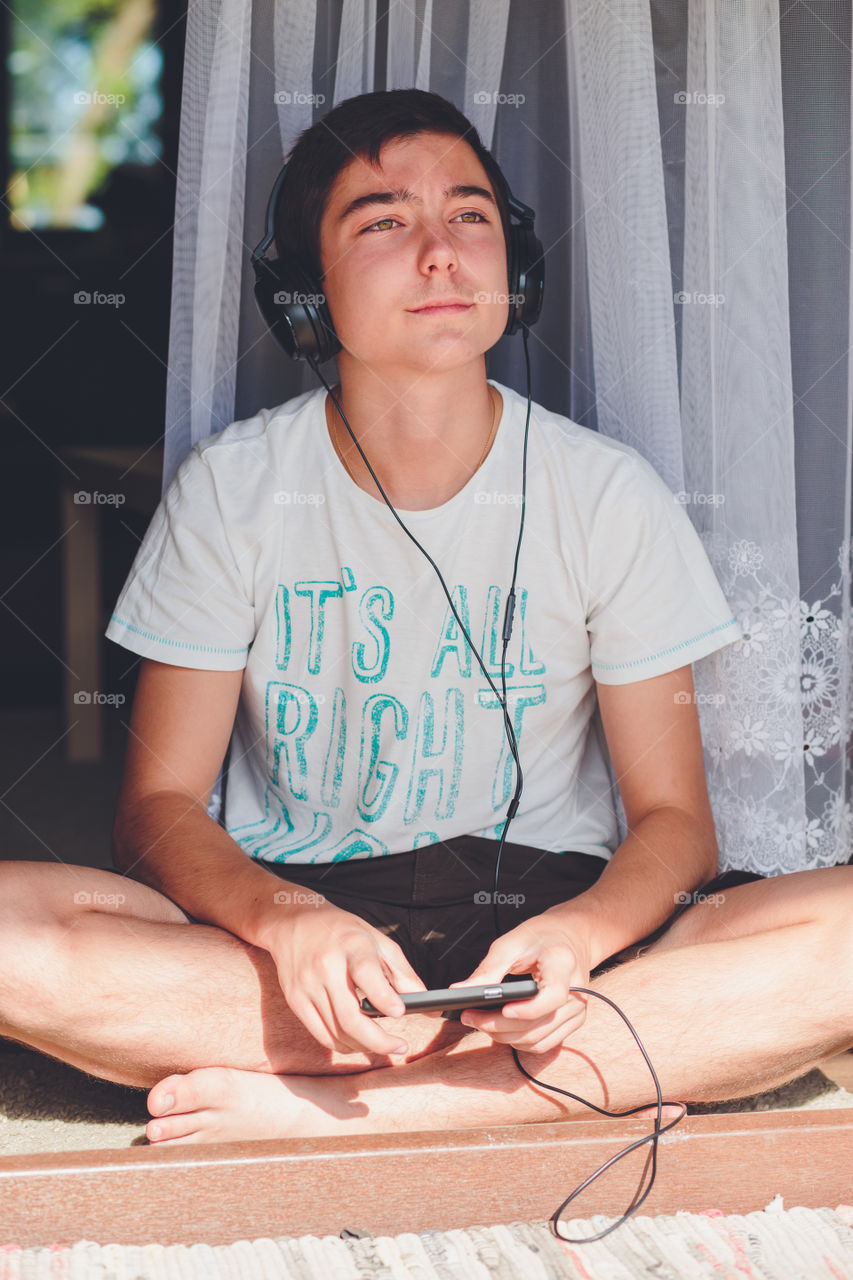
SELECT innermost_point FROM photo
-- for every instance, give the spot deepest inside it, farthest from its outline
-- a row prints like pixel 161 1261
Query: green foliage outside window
pixel 84 97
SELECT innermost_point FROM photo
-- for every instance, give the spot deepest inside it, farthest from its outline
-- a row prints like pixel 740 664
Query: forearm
pixel 170 842
pixel 668 853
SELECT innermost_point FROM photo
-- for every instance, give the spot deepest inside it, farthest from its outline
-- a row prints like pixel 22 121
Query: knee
pixel 699 923
pixel 27 890
pixel 41 893
pixel 833 911
pixel 837 898
pixel 827 904
pixel 44 892
pixel 30 957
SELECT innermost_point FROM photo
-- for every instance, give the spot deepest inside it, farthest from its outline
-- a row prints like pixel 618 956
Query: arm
pixel 163 835
pixel 656 751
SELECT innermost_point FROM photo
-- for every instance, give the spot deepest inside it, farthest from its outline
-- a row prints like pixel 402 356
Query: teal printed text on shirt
pixel 339 765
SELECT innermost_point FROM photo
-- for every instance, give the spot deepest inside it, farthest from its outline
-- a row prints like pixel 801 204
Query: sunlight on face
pixel 422 227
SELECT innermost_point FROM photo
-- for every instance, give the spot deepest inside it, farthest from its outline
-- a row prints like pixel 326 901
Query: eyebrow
pixel 402 195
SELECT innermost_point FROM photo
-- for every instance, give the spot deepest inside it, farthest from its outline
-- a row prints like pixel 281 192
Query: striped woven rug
pixel 794 1244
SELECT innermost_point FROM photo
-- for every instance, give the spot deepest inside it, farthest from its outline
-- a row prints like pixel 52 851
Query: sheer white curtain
pixel 689 166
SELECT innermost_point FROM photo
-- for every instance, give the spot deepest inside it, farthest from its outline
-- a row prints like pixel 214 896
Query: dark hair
pixel 360 127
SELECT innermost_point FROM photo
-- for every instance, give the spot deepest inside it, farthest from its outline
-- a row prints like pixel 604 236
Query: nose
pixel 437 249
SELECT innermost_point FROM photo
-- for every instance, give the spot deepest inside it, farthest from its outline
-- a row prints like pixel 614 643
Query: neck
pixel 424 441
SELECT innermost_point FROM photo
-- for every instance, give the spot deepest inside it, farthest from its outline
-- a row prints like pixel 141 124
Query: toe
pixel 166 1095
pixel 204 1089
pixel 180 1128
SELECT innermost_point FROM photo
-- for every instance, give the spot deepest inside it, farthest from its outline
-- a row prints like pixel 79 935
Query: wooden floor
pixel 389 1183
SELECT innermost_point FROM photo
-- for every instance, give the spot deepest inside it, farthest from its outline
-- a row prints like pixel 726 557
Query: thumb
pixel 505 955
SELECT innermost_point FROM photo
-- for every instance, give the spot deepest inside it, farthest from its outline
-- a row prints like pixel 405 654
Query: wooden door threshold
pixel 390 1183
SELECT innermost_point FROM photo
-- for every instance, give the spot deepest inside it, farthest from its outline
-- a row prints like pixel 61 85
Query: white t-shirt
pixel 365 725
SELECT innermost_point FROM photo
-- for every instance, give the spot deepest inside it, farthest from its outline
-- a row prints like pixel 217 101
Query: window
pixel 84 97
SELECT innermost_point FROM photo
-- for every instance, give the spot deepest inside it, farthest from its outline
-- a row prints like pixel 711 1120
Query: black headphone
pixel 295 309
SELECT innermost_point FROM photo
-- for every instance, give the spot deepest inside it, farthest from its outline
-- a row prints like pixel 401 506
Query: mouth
pixel 442 308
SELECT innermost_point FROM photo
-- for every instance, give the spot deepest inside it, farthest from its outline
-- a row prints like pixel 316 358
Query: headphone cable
pixel 659 1128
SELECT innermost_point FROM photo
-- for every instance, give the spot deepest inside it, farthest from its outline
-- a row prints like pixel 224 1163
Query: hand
pixel 324 957
pixel 557 960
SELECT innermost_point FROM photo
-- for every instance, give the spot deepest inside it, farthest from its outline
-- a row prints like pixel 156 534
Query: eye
pixel 376 224
pixel 468 213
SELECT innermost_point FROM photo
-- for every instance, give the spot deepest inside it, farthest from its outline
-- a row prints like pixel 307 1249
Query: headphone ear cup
pixel 526 277
pixel 295 309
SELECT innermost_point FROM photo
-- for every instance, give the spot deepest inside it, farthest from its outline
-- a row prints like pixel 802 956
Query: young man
pixel 369 774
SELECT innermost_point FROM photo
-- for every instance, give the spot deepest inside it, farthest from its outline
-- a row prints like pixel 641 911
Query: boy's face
pixel 384 261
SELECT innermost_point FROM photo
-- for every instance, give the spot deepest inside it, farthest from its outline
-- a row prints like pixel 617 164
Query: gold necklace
pixel 333 430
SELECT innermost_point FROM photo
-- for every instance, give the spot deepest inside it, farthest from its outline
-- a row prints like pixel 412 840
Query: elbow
pixel 712 864
pixel 709 851
pixel 702 836
pixel 118 844
pixel 125 834
pixel 691 833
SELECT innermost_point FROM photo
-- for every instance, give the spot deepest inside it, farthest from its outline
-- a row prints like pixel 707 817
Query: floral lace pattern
pixel 776 718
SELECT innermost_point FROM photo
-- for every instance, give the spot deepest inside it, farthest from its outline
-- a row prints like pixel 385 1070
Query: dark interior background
pixel 75 375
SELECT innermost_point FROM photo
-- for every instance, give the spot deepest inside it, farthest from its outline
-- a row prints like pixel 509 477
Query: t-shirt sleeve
pixel 185 601
pixel 655 602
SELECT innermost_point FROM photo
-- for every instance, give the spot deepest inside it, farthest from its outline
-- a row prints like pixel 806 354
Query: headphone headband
pixel 295 309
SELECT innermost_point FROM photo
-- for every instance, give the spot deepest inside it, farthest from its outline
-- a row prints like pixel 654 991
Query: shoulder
pixel 239 464
pixel 592 467
pixel 264 430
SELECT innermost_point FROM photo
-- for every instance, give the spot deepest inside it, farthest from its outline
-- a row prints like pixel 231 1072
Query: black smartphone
pixel 490 997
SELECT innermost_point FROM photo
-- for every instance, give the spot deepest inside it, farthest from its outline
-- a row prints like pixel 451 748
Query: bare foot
pixel 470 1082
pixel 223 1104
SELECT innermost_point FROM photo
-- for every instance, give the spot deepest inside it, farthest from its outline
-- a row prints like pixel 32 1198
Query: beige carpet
pixel 48 1106
pixel 806 1244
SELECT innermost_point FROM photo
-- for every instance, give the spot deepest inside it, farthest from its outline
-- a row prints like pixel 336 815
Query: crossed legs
pixel 110 976
pixel 734 998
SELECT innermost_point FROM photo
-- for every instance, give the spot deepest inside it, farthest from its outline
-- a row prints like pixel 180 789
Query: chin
pixel 434 357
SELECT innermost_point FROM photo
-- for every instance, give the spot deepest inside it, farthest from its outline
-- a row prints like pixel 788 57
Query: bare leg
pixel 106 974
pixel 732 1000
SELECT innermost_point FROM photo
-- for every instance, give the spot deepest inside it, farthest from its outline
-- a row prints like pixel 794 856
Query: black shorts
pixel 436 901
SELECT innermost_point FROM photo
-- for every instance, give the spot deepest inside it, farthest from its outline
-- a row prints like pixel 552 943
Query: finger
pixel 487 974
pixel 548 1000
pixel 400 972
pixel 497 961
pixel 553 999
pixel 501 1028
pixel 361 1029
pixel 318 1014
pixel 308 1015
pixel 368 1034
pixel 556 970
pixel 547 1004
pixel 368 973
pixel 508 954
pixel 355 1032
pixel 542 1047
pixel 542 1013
pixel 557 1039
pixel 541 1038
pixel 344 1043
